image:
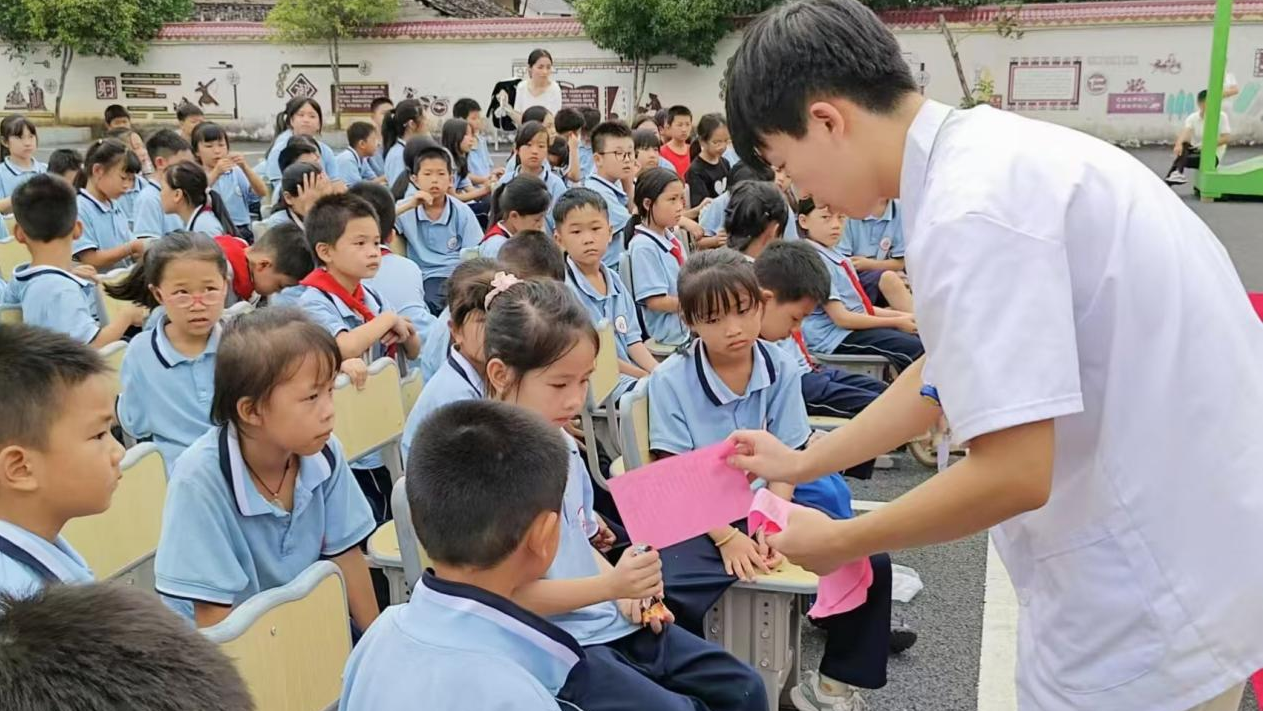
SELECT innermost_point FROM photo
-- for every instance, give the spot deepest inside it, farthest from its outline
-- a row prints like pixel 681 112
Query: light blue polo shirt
pixel 105 227
pixel 655 273
pixel 713 218
pixel 223 542
pixel 350 168
pixel 394 163
pixel 479 161
pixel 822 335
pixel 457 647
pixel 12 175
pixel 691 407
pixel 205 221
pixel 148 218
pixel 731 156
pixel 877 238
pixel 491 244
pixel 456 380
pixel 234 188
pixel 167 395
pixel 617 214
pixel 287 297
pixel 29 562
pixel 399 281
pixel 56 299
pixel 435 346
pixel 376 164
pixel 436 245
pixel 554 184
pixel 282 217
pixel 273 166
pixel 599 622
pixel 790 347
pixel 616 307
pixel 127 201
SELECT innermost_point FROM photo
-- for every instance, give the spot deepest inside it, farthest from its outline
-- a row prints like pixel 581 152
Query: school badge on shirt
pixel 453 243
pixel 886 244
pixel 622 324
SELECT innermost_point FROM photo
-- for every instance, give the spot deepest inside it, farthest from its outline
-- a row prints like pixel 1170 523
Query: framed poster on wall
pixel 1043 83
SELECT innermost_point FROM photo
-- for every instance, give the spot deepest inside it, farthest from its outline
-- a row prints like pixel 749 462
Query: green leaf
pixel 305 21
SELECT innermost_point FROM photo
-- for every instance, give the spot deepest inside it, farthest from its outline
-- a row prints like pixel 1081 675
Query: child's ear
pixel 803 221
pixel 498 375
pixel 249 412
pixel 766 295
pixel 154 292
pixel 542 537
pixel 15 469
pixel 322 250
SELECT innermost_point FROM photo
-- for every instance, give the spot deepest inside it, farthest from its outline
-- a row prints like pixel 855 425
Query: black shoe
pixel 901 637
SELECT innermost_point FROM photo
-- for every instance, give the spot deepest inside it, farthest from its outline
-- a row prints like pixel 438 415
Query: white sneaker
pixel 810 695
pixel 1176 178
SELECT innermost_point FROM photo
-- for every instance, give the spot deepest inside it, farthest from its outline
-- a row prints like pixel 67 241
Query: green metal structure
pixel 1244 179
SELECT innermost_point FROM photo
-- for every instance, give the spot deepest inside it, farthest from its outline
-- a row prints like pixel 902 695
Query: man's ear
pixel 829 115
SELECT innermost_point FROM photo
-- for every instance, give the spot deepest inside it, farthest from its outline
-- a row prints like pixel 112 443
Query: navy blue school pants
pixel 899 347
pixel 870 281
pixel 675 670
pixel 435 292
pixel 837 393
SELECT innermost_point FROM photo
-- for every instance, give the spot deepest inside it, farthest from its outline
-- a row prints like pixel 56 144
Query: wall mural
pixel 1044 83
pixel 29 94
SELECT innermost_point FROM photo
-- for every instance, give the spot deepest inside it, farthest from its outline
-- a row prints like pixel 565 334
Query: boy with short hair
pixel 62 651
pixel 569 123
pixel 479 163
pixel 58 459
pixel 67 163
pixel 399 280
pixel 166 147
pixel 613 180
pixel 117 117
pixel 297 149
pixel 585 150
pixel 352 165
pixel 50 293
pixel 188 116
pixel 876 246
pixel 461 642
pixel 533 255
pixel 278 261
pixel 677 129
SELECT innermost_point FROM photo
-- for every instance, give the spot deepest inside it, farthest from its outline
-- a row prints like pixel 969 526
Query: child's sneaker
pixel 810 695
pixel 1176 178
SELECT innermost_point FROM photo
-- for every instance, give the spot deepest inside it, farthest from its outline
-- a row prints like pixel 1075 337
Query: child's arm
pixel 642 357
pixel 258 186
pixel 105 259
pixel 413 344
pixel 6 205
pixel 885 311
pixel 132 315
pixel 855 321
pixel 356 576
pixel 629 369
pixel 574 159
pixel 662 303
pixel 711 241
pixel 894 264
pixel 634 576
pixel 355 342
pixel 208 614
pixel 474 193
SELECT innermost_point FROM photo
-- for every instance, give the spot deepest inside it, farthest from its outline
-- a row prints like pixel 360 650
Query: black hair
pixel 468 286
pixel 523 194
pixel 261 350
pixel 123 133
pixel 527 132
pixel 536 113
pixel 559 150
pixel 359 131
pixel 575 199
pixel 148 271
pixel 286 244
pixel 744 171
pixel 293 107
pixel 107 152
pixel 608 130
pixel 535 56
pixel 37 367
pixel 479 474
pixel 190 179
pixel 431 151
pixel 66 159
pixel 463 107
pixel 708 125
pixel 768 84
pixel 651 183
pixel 753 206
pixel 592 118
pixel 452 134
pixel 675 111
pixel 397 118
pixel 106 646
pixel 533 324
pixel 646 139
pixel 639 119
pixel 413 147
pixel 568 119
pixel 116 111
pixel 380 198
pixel 531 254
pixel 295 147
pixel 792 271
pixel 45 207
pixel 379 102
pixel 164 143
pixel 187 109
pixel 13 127
pixel 329 218
pixel 208 132
pixel 1201 95
pixel 713 282
pixel 292 180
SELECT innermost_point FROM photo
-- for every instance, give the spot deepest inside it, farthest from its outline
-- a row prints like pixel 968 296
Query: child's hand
pixel 604 539
pixel 742 559
pixel 404 329
pixel 634 610
pixel 85 272
pixel 575 431
pixel 692 227
pixel 907 324
pixel 769 556
pixel 237 159
pixel 135 314
pixel 498 173
pixel 137 247
pixel 356 370
pixel 636 575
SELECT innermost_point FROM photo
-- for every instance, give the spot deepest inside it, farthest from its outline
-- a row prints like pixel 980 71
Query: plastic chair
pixel 386 544
pixel 411 389
pixel 120 542
pixel 372 419
pixel 11 314
pixel 600 403
pixel 12 253
pixel 874 366
pixel 657 349
pixel 290 643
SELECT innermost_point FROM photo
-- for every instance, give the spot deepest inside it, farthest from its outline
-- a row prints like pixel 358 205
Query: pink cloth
pixel 1256 298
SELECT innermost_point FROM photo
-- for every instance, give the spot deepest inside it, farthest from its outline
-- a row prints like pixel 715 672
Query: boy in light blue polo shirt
pixel 165 147
pixel 877 247
pixel 399 280
pixel 352 164
pixel 439 227
pixel 461 642
pixel 613 179
pixel 56 407
pixel 238 518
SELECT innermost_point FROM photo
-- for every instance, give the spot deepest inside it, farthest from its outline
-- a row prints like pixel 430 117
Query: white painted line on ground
pixel 996 683
pixel 866 505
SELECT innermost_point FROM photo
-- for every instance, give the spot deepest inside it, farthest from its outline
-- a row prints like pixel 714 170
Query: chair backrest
pixel 606 367
pixel 11 314
pixel 125 536
pixel 12 254
pixel 413 557
pixel 635 427
pixel 113 307
pixel 411 389
pixel 291 643
pixel 626 271
pixel 371 419
pixel 235 311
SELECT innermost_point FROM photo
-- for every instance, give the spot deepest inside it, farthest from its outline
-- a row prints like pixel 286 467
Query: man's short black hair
pixel 166 143
pixel 1202 94
pixel 186 110
pixel 534 113
pixel 793 271
pixel 359 131
pixel 116 111
pixel 608 130
pixel 575 199
pixel 379 102
pixel 479 473
pixel 45 207
pixel 531 254
pixel 675 111
pixel 286 244
pixel 65 159
pixel 805 50
pixel 106 646
pixel 295 147
pixel 329 218
pixel 593 117
pixel 37 367
pixel 463 107
pixel 384 204
pixel 568 119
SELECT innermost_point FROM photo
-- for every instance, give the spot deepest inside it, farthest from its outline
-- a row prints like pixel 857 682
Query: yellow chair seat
pixel 383 548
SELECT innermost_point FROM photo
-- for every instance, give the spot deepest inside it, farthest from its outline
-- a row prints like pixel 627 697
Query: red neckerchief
pixel 847 265
pixel 675 249
pixel 321 279
pixel 234 249
pixel 496 229
pixel 799 338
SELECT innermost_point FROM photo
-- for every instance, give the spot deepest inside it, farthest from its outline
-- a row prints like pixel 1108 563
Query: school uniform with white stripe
pixel 456 380
pixel 877 238
pixel 29 562
pixel 436 245
pixel 617 215
pixel 234 189
pixel 12 175
pixel 56 299
pixel 616 307
pixel 656 260
pixel 351 168
pixel 148 218
pixel 105 227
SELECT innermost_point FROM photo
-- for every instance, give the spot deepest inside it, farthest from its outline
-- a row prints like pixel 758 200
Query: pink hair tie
pixel 501 282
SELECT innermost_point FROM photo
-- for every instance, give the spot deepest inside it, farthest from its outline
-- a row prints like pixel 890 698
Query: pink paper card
pixel 672 500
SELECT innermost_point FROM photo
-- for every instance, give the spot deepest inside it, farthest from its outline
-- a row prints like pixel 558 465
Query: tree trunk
pixel 637 90
pixel 334 69
pixel 954 54
pixel 68 54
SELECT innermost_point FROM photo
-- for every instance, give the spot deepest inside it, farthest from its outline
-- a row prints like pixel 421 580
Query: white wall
pixel 451 69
